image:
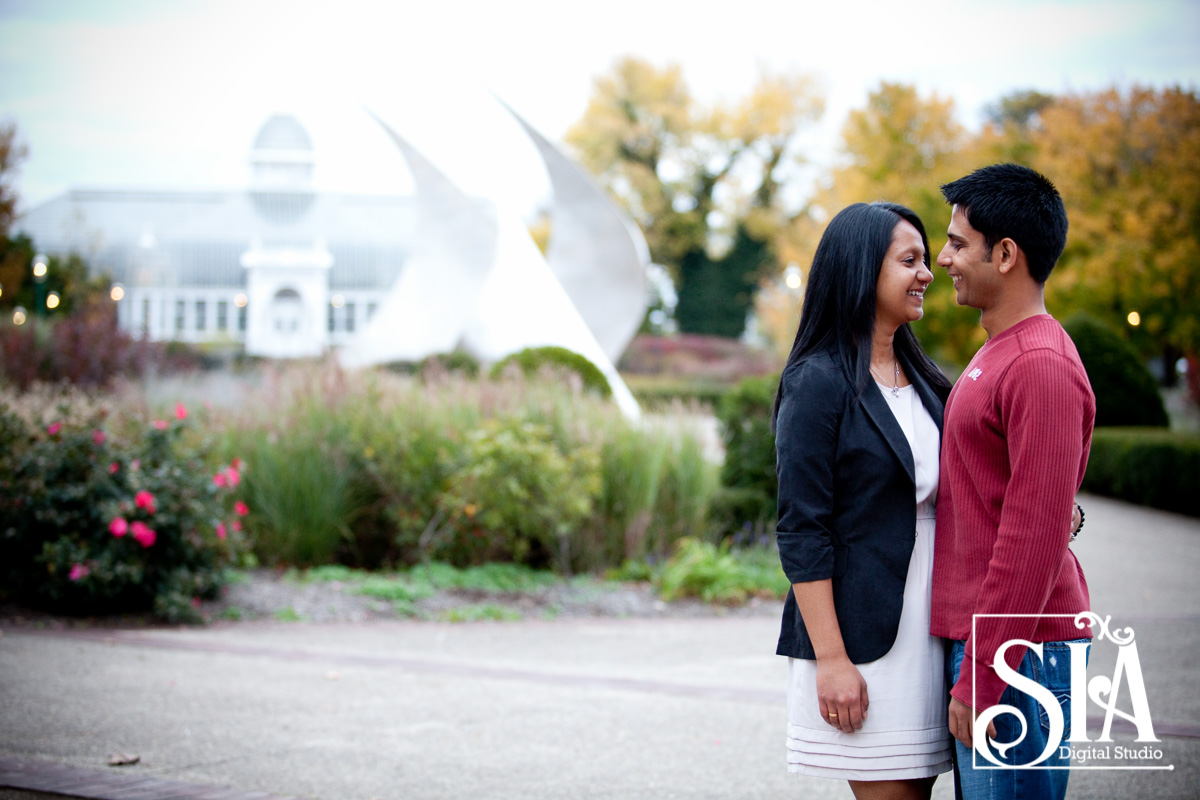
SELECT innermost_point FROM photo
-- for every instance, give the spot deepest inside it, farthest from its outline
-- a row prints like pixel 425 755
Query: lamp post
pixel 39 284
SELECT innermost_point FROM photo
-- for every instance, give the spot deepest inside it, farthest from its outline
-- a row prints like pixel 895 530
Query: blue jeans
pixel 975 778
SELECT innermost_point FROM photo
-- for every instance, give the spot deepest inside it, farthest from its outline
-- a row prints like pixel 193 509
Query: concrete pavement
pixel 631 709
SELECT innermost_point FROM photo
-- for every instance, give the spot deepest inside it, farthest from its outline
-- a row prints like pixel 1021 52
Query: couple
pixel 875 452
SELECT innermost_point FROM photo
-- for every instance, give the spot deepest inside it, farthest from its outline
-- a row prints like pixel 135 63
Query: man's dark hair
pixel 1014 202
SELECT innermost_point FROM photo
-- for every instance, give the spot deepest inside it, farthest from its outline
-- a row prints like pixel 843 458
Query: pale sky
pixel 168 93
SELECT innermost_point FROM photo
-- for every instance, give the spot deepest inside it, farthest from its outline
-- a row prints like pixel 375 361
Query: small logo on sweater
pixel 974 374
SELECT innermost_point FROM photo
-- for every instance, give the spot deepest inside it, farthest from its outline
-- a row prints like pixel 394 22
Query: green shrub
pixel 715 573
pixel 749 483
pixel 1150 467
pixel 91 523
pixel 518 497
pixel 408 455
pixel 1126 394
pixel 533 360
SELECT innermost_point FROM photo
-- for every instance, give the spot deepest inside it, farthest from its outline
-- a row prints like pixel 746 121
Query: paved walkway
pixel 630 709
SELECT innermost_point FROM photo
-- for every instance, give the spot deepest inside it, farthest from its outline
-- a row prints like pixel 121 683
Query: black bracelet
pixel 1081 519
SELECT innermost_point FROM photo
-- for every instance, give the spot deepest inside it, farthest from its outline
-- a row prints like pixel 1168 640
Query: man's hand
pixel 962 723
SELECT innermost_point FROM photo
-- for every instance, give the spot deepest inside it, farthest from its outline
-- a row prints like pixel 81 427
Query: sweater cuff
pixel 988 685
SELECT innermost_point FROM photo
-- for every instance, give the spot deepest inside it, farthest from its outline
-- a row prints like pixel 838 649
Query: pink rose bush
pixel 104 520
pixel 144 500
pixel 142 534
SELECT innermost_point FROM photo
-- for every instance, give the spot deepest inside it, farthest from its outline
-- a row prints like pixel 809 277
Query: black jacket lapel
pixel 885 421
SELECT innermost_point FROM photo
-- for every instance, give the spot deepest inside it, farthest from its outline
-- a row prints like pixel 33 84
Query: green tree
pixel 66 276
pixel 704 183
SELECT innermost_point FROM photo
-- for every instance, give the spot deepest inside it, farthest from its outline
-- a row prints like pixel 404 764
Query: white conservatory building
pixel 279 268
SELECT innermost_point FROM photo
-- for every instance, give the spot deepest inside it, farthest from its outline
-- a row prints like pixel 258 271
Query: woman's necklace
pixel 895 378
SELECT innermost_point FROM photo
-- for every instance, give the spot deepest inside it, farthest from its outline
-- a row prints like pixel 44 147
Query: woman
pixel 858 422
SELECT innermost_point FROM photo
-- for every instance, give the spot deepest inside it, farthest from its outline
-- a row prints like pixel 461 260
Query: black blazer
pixel 847 502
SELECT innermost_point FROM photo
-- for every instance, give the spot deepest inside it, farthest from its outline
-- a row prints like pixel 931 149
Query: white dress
pixel 905 734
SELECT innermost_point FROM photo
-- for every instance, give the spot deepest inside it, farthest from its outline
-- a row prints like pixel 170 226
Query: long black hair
pixel 839 302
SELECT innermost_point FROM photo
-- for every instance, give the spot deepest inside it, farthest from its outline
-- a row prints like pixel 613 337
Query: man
pixel 1018 429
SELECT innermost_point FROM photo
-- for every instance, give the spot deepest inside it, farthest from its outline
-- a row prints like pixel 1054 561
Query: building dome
pixel 282 132
pixel 281 161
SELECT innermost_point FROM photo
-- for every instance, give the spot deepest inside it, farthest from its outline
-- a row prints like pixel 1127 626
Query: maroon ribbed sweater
pixel 1018 429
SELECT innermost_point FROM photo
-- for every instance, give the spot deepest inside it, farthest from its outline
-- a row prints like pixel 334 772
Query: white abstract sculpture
pixel 596 252
pixel 477 281
pixel 437 291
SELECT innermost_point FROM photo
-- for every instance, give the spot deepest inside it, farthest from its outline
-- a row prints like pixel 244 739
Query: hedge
pixel 749 486
pixel 1151 467
pixel 532 359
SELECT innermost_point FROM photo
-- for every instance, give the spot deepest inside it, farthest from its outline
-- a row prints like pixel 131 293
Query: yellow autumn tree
pixel 703 182
pixel 1127 163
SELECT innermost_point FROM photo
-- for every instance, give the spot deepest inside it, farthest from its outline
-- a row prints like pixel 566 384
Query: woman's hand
pixel 842 693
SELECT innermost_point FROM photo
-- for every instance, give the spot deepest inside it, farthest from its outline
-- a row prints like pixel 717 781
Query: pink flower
pixel 219 480
pixel 78 572
pixel 145 537
pixel 236 463
pixel 180 411
pixel 220 530
pixel 195 602
pixel 98 437
pixel 241 508
pixel 144 499
pixel 236 524
pixel 233 476
pixel 54 428
pixel 161 424
pixel 136 464
pixel 118 527
pixel 113 467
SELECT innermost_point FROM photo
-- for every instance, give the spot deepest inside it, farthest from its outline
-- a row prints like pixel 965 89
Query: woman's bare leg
pixel 915 789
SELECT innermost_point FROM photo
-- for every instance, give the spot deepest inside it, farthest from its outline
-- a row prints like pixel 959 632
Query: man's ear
pixel 1009 252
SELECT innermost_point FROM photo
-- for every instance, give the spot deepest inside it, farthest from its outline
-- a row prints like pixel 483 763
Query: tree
pixel 1128 166
pixel 704 184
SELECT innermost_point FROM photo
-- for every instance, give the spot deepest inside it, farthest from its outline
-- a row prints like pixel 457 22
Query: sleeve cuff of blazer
pixel 805 557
